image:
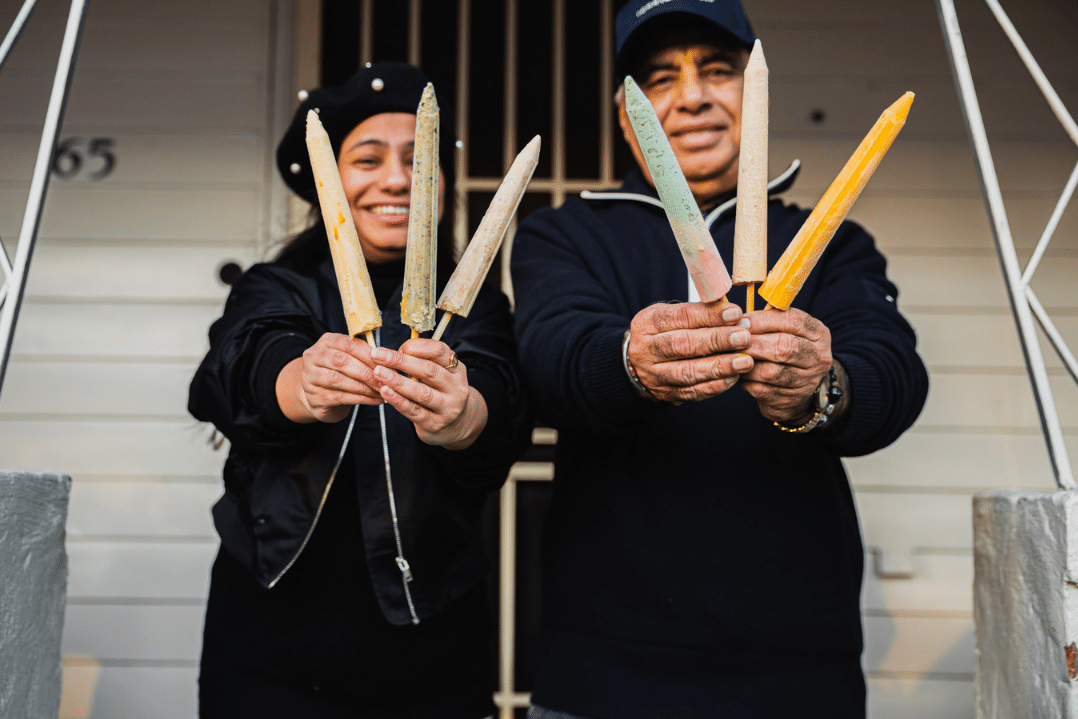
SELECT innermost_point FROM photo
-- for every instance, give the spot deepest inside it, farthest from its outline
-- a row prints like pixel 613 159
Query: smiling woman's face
pixel 376 171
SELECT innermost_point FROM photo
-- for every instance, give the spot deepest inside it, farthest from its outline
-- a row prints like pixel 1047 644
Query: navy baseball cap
pixel 725 15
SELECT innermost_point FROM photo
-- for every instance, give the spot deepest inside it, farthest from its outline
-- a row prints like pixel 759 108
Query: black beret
pixel 376 88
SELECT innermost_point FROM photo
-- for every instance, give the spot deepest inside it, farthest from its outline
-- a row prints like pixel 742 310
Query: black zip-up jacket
pixel 697 561
pixel 277 471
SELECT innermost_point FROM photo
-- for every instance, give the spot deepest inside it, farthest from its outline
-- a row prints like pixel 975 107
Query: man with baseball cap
pixel 702 555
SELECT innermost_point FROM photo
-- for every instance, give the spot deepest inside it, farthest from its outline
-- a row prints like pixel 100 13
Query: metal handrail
pixel 13 33
pixel 1024 304
pixel 11 299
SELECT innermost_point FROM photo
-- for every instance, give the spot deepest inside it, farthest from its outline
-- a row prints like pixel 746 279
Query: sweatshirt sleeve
pixel 853 296
pixel 268 321
pixel 570 322
pixel 484 343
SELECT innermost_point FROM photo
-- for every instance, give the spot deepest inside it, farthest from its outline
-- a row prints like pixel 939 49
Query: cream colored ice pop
pixel 417 300
pixel 706 267
pixel 750 229
pixel 357 295
pixel 790 272
pixel 463 286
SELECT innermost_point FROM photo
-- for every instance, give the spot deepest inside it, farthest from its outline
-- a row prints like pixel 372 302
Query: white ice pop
pixel 750 229
pixel 417 300
pixel 360 307
pixel 463 286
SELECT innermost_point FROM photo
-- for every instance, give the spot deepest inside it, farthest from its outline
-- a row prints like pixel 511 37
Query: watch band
pixel 828 393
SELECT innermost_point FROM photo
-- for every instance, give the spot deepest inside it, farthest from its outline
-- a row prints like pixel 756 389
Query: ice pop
pixel 417 300
pixel 706 267
pixel 360 308
pixel 793 268
pixel 463 286
pixel 750 229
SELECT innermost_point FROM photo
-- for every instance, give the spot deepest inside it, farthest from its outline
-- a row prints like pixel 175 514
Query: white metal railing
pixel 15 270
pixel 1026 307
pixel 507 698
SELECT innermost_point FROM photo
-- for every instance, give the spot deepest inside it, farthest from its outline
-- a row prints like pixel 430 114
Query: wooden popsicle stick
pixel 370 339
pixel 442 324
pixel 750 297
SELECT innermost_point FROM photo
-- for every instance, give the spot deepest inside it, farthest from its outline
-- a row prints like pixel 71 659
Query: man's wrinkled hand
pixel 690 351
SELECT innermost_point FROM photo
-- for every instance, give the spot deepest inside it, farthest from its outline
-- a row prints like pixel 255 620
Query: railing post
pixel 39 183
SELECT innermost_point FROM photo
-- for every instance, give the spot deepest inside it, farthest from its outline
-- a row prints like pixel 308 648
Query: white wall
pixel 121 292
pixel 980 428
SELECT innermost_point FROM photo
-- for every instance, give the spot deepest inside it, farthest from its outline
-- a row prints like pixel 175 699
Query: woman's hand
pixel 430 387
pixel 331 377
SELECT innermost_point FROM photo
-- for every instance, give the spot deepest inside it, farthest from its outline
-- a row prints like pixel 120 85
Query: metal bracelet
pixel 630 371
pixel 828 393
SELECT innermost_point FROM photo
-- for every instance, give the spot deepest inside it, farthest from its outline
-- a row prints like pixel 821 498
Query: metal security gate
pixel 471 50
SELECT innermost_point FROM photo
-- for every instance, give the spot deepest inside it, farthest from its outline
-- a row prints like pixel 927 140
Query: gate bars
pixel 14 271
pixel 1024 302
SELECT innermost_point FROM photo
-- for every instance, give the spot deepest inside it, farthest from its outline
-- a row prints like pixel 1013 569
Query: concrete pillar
pixel 33 589
pixel 1025 603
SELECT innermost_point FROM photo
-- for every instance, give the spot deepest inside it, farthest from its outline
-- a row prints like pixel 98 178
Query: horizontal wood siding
pixel 980 430
pixel 121 292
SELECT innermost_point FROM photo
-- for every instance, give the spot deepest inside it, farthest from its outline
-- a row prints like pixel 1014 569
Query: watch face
pixel 823 392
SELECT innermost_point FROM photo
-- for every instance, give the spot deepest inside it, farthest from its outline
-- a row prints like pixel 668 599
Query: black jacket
pixel 277 471
pixel 696 560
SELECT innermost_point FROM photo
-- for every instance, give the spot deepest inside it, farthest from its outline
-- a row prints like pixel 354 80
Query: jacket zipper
pixel 402 563
pixel 322 503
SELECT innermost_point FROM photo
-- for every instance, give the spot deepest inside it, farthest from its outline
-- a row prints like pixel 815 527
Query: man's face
pixel 696 92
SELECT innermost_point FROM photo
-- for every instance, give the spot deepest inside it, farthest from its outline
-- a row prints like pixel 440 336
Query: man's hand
pixel 691 351
pixel 792 353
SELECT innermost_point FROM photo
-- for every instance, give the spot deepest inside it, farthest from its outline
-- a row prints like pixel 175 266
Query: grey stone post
pixel 33 590
pixel 1025 603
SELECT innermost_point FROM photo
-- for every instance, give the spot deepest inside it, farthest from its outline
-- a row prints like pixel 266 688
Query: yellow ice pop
pixel 463 286
pixel 360 307
pixel 706 268
pixel 793 268
pixel 417 301
pixel 750 229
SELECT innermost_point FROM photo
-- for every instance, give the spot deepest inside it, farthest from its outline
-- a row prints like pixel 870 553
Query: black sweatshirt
pixel 698 561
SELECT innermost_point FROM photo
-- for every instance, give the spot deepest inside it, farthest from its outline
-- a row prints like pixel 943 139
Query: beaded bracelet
pixel 828 394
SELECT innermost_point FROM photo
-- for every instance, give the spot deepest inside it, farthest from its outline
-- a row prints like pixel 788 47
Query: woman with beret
pixel 350 580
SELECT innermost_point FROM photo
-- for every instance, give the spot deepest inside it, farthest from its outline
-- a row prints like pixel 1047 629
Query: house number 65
pixel 69 158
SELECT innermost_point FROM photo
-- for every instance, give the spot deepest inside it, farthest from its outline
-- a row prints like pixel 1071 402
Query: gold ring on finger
pixel 453 361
